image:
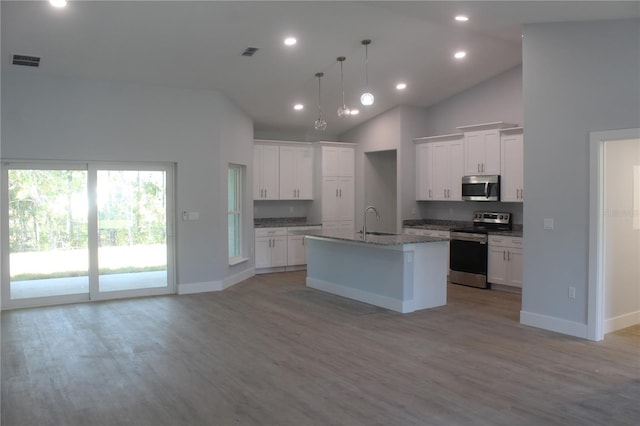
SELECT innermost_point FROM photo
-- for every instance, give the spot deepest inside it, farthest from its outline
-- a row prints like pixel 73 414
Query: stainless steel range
pixel 468 248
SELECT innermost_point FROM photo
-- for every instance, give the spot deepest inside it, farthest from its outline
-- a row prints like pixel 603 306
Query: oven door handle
pixel 486 189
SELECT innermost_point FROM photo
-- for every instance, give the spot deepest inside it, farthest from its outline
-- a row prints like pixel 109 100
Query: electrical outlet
pixel 572 292
pixel 548 224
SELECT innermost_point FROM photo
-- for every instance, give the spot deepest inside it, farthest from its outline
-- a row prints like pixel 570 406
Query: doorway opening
pixel 381 188
pixel 614 242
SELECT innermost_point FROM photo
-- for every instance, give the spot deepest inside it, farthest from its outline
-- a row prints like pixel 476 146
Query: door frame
pixel 596 285
pixel 93 294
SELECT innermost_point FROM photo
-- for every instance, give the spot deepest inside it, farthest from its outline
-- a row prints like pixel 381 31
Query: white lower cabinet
pixel 280 248
pixel 271 247
pixel 505 261
pixel 296 245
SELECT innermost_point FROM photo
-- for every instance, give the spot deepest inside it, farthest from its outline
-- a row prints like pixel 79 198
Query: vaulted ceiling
pixel 198 45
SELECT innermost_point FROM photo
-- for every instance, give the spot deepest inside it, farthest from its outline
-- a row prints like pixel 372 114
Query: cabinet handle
pixel 509 256
pixel 429 193
pixel 448 193
pixel 504 255
pixel 522 194
pixel 340 192
pixel 265 193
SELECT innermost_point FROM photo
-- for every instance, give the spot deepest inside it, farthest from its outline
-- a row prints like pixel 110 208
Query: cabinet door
pixel 511 182
pixel 515 267
pixel 271 172
pixel 455 166
pixel 257 172
pixel 346 161
pixel 491 162
pixel 441 171
pixel 263 252
pixel 473 153
pixel 424 171
pixel 329 161
pixel 346 226
pixel 287 173
pixel 497 265
pixel 329 198
pixel 296 251
pixel 346 199
pixel 304 173
pixel 279 251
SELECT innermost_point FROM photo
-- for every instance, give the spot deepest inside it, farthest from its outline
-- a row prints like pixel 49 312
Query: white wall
pixel 621 241
pixel 48 117
pixel 496 99
pixel 577 78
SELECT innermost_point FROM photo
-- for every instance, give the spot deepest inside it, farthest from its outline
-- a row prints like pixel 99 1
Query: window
pixel 235 194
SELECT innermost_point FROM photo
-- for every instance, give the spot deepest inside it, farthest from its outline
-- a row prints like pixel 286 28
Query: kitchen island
pixel 403 273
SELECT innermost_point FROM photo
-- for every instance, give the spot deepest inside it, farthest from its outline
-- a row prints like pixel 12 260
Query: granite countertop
pixel 380 240
pixel 283 222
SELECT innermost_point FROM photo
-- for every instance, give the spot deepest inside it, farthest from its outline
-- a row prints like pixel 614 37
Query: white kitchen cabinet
pixel 338 161
pixel 271 247
pixel 447 167
pixel 296 172
pixel 296 245
pixel 424 172
pixel 266 172
pixel 439 167
pixel 338 202
pixel 482 148
pixel 512 160
pixel 504 264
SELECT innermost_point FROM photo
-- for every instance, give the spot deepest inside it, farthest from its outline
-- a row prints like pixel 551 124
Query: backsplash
pixel 276 208
pixel 463 210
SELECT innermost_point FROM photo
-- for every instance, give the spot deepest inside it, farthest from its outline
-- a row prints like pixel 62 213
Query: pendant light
pixel 343 111
pixel 367 97
pixel 320 124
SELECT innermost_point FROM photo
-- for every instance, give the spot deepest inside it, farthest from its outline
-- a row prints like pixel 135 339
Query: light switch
pixel 188 216
pixel 548 224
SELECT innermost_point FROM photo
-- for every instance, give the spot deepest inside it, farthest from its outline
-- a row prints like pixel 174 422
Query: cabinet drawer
pixel 271 232
pixel 498 240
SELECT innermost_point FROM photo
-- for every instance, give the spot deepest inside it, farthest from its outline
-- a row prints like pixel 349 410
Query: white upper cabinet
pixel 439 167
pixel 296 173
pixel 482 148
pixel 424 171
pixel 512 158
pixel 266 172
pixel 338 161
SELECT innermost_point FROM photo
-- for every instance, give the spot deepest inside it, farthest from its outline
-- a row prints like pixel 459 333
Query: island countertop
pixel 379 240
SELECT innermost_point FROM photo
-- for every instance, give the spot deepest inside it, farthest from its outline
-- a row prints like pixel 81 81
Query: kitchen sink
pixel 380 233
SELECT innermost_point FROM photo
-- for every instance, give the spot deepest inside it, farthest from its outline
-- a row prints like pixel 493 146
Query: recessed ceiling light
pixel 401 86
pixel 461 18
pixel 354 112
pixel 58 3
pixel 290 41
pixel 459 55
pixel 298 107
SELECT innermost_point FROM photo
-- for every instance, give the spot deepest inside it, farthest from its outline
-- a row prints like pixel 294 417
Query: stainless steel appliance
pixel 481 188
pixel 468 248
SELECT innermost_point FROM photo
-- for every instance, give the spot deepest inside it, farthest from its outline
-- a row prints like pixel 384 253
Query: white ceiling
pixel 198 45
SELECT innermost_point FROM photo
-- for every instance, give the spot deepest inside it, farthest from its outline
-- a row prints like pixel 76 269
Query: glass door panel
pixel 132 229
pixel 48 233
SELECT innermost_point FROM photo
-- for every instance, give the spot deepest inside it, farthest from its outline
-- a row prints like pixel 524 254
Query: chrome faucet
pixel 364 219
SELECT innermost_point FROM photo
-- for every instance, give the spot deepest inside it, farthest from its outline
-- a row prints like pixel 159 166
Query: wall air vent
pixel 250 51
pixel 27 61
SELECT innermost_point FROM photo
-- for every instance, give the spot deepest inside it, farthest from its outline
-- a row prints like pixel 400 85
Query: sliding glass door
pixel 86 231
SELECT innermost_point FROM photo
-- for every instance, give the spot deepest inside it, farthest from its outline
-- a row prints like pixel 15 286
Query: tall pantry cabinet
pixel 335 180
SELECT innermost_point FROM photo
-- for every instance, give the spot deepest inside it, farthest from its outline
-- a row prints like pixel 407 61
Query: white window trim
pixel 240 258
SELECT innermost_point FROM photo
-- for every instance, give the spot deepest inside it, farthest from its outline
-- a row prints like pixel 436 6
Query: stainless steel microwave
pixel 481 188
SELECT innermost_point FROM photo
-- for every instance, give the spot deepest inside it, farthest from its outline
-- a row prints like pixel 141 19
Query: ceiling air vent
pixel 27 61
pixel 250 51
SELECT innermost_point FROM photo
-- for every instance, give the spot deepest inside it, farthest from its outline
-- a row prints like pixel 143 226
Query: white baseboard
pixel 622 321
pixel 191 288
pixel 558 325
pixel 361 295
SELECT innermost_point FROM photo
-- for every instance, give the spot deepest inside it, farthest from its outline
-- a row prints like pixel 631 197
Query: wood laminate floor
pixel 270 351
